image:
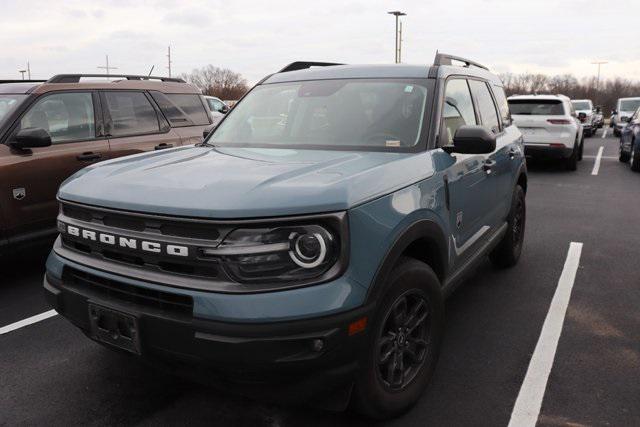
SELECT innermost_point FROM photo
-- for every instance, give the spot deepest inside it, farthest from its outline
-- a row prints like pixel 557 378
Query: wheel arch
pixel 423 240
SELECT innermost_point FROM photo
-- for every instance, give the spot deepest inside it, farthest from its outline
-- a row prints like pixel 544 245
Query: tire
pixel 616 133
pixel 623 157
pixel 587 133
pixel 634 159
pixel 508 251
pixel 580 150
pixel 571 162
pixel 374 395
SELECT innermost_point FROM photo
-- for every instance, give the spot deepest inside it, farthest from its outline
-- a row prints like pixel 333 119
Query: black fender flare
pixel 424 228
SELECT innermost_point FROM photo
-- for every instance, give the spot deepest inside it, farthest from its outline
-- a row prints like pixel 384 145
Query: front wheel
pixel 623 157
pixel 404 342
pixel 508 251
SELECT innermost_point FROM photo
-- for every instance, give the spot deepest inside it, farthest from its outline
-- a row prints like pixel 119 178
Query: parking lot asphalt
pixel 53 375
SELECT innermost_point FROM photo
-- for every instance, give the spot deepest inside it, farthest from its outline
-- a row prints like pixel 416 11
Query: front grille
pixel 96 286
pixel 192 233
pixel 145 223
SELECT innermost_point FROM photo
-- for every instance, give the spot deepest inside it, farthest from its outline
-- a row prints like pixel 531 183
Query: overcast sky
pixel 259 37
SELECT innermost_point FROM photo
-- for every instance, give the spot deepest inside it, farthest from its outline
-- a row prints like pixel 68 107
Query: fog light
pixel 317 345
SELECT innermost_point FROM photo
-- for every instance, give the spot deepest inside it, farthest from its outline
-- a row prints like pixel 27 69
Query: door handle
pixel 162 146
pixel 89 156
pixel 487 165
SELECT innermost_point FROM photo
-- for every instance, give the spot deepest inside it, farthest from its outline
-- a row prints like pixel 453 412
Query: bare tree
pixel 216 81
pixel 605 93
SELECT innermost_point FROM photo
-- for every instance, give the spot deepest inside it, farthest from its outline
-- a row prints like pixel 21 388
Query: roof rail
pixel 301 65
pixel 22 81
pixel 75 78
pixel 445 59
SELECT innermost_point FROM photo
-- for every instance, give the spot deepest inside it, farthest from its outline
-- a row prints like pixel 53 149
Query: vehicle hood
pixel 227 182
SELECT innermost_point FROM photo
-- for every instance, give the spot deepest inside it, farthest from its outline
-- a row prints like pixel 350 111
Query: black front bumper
pixel 547 152
pixel 279 361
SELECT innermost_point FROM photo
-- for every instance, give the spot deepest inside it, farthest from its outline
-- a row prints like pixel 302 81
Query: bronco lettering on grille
pixel 125 242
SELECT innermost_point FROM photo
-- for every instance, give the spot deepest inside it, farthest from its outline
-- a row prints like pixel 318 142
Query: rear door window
pixel 66 117
pixel 131 114
pixel 536 107
pixel 182 109
pixel 486 106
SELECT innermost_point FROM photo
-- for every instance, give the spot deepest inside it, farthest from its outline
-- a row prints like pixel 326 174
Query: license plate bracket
pixel 115 328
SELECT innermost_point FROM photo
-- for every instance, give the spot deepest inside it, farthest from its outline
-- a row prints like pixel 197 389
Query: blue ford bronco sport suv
pixel 306 247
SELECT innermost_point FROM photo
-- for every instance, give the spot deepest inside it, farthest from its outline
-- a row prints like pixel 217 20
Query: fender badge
pixel 19 193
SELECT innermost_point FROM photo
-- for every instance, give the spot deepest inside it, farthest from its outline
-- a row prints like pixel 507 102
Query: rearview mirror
pixel 472 139
pixel 31 138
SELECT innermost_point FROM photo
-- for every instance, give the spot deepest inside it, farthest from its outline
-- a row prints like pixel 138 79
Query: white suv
pixel 549 126
pixel 586 115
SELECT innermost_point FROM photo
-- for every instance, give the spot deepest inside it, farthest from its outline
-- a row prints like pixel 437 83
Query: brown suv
pixel 51 129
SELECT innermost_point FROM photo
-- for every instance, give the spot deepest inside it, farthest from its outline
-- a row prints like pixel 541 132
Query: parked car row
pixel 308 243
pixel 630 142
pixel 551 127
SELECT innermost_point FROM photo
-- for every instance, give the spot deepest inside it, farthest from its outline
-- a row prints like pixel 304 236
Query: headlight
pixel 280 254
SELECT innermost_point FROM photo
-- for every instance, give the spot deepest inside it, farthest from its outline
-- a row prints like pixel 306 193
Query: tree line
pixel 604 93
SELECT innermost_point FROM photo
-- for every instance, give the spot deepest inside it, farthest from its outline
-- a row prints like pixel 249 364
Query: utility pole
pixel 169 59
pixel 400 44
pixel 107 67
pixel 22 72
pixel 598 63
pixel 28 71
pixel 397 14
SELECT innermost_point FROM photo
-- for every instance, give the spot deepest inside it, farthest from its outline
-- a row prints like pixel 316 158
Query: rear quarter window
pixel 182 109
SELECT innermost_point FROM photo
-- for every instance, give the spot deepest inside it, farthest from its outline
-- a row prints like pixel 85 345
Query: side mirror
pixel 472 139
pixel 224 109
pixel 31 138
pixel 614 112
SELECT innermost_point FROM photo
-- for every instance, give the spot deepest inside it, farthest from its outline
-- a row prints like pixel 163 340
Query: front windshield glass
pixel 349 114
pixel 581 105
pixel 8 103
pixel 629 105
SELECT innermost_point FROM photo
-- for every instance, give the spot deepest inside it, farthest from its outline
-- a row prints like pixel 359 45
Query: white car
pixel 550 127
pixel 625 107
pixel 587 115
pixel 217 108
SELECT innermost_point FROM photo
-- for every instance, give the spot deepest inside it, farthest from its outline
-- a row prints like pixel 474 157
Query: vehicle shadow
pixel 547 166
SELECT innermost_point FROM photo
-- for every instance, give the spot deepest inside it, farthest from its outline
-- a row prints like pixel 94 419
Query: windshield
pixel 629 105
pixel 536 107
pixel 348 114
pixel 9 103
pixel 581 105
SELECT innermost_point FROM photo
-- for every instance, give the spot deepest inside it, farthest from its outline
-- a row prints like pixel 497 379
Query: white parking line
pixel 596 165
pixel 604 133
pixel 28 321
pixel 527 408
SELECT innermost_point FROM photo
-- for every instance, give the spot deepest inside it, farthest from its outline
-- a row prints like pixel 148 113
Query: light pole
pixel 397 14
pixel 598 63
pixel 22 72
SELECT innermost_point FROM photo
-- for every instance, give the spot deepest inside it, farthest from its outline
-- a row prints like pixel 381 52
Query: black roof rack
pixel 301 65
pixel 445 59
pixel 75 78
pixel 22 81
